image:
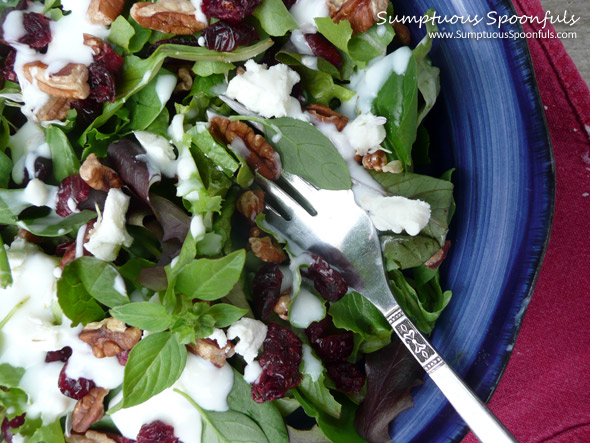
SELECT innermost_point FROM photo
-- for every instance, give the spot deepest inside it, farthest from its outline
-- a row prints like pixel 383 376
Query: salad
pixel 143 295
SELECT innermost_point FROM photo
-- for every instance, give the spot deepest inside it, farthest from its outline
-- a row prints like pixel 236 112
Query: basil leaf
pixel 65 160
pixel 75 301
pixel 10 376
pixel 208 279
pixel 266 415
pixel 100 279
pixel 274 18
pixel 227 427
pixel 5 274
pixel 154 364
pixel 306 152
pixel 397 100
pixel 144 315
pixel 53 225
pixel 50 433
pixel 226 314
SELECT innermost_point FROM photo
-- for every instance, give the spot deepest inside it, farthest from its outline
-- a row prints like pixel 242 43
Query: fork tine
pixel 275 219
pixel 286 204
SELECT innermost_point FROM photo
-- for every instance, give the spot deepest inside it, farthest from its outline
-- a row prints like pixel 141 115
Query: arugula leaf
pixel 355 313
pixel 65 160
pixel 10 376
pixel 397 100
pixel 75 301
pixel 144 315
pixel 208 279
pixel 266 415
pixel 274 18
pixel 154 364
pixel 5 274
pixel 226 314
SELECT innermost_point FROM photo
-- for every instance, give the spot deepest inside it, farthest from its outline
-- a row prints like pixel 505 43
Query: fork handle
pixel 478 417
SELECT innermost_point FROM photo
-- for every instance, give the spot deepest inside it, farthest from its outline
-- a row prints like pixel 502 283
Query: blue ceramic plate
pixel 490 120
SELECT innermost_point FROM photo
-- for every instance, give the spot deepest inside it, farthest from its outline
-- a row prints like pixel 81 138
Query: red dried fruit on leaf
pixel 266 289
pixel 71 191
pixel 75 389
pixel 38 31
pixel 326 280
pixel 280 362
pixel 7 425
pixel 8 70
pixel 318 329
pixel 233 11
pixel 101 82
pixel 346 376
pixel 110 59
pixel 62 355
pixel 122 357
pixel 334 348
pixel 156 432
pixel 321 47
pixel 225 37
pixel 88 109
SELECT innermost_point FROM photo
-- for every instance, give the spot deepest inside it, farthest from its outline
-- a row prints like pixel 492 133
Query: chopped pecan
pixel 360 13
pixel 27 236
pixel 56 108
pixel 95 43
pixel 267 249
pixel 98 176
pixel 69 82
pixel 109 337
pixel 258 153
pixel 402 33
pixel 438 257
pixel 256 232
pixel 250 204
pixel 327 115
pixel 170 16
pixel 104 12
pixel 89 409
pixel 376 160
pixel 90 437
pixel 210 350
pixel 282 306
pixel 185 82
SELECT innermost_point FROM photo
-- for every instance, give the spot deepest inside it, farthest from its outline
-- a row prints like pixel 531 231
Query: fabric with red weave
pixel 544 395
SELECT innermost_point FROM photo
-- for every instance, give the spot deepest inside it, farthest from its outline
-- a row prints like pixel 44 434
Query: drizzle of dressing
pixel 305 309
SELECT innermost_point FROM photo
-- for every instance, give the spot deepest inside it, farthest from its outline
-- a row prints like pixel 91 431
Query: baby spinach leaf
pixel 144 315
pixel 226 314
pixel 319 395
pixel 65 160
pixel 121 32
pixel 213 150
pixel 405 251
pixel 227 427
pixel 397 101
pixel 266 415
pixel 10 376
pixel 75 301
pixel 274 18
pixel 208 279
pixel 154 364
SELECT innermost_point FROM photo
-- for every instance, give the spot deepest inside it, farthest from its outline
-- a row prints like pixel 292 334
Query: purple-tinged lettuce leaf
pixel 391 373
pixel 174 221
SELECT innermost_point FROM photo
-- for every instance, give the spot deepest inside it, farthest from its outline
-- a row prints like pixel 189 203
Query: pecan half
pixel 438 257
pixel 327 115
pixel 95 43
pixel 267 249
pixel 89 409
pixel 282 306
pixel 90 437
pixel 170 16
pixel 376 161
pixel 69 82
pixel 360 13
pixel 56 108
pixel 98 176
pixel 250 204
pixel 27 236
pixel 185 80
pixel 258 153
pixel 402 33
pixel 104 12
pixel 109 337
pixel 210 350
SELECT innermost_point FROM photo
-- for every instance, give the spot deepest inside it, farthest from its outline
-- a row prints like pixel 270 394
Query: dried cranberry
pixel 8 70
pixel 318 329
pixel 38 31
pixel 110 59
pixel 321 47
pixel 71 191
pixel 7 425
pixel 101 82
pixel 43 168
pixel 62 355
pixel 266 289
pixel 75 389
pixel 326 280
pixel 156 432
pixel 233 11
pixel 289 3
pixel 280 362
pixel 334 348
pixel 225 37
pixel 122 357
pixel 88 109
pixel 347 377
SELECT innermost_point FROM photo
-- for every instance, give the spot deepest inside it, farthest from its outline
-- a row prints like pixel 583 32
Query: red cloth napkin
pixel 544 395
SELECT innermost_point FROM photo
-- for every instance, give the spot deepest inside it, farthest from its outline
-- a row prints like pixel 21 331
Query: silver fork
pixel 332 225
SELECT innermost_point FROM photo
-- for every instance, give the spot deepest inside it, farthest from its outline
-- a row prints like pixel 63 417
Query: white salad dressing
pixel 164 86
pixel 306 308
pixel 252 372
pixel 304 12
pixel 310 62
pixel 36 192
pixel 26 145
pixel 311 365
pixel 251 333
pixel 201 380
pixel 80 240
pixel 199 14
pixel 298 40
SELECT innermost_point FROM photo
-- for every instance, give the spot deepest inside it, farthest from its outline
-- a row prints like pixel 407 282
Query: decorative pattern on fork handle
pixel 414 340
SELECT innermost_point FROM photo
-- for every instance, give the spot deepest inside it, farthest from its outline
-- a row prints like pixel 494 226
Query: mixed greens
pixel 150 215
